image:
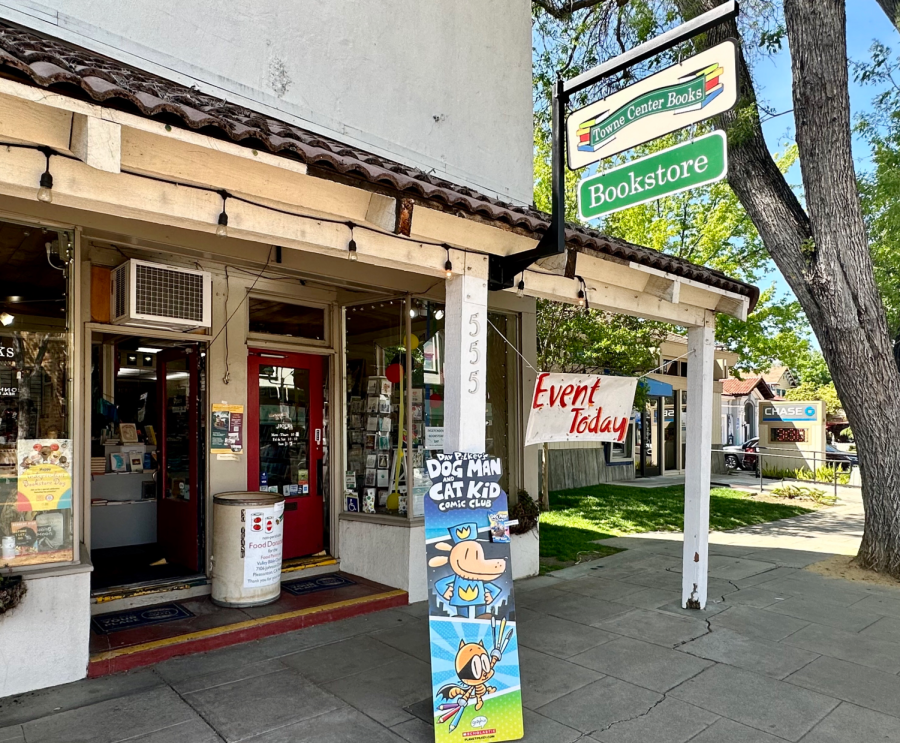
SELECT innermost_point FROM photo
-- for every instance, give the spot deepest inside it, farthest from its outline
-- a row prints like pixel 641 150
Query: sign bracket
pixel 502 270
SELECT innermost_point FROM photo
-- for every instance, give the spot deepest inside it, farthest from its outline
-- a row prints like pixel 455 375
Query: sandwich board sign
pixel 700 87
pixel 680 168
pixel 476 691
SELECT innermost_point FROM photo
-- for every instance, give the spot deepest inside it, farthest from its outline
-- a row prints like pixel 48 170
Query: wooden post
pixel 701 355
pixel 465 349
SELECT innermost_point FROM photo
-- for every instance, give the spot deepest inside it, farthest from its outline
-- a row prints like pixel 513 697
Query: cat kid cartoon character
pixel 474 668
pixel 469 585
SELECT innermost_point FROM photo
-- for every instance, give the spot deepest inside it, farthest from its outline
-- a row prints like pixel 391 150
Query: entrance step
pixel 195 625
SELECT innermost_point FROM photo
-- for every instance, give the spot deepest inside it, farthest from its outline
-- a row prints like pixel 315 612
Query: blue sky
pixel 865 23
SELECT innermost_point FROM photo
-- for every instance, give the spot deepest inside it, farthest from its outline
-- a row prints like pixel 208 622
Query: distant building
pixel 781 379
pixel 740 408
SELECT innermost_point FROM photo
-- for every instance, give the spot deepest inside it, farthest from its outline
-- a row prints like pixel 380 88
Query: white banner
pixel 580 407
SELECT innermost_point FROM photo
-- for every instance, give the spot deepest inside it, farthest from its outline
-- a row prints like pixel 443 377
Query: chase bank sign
pixel 794 412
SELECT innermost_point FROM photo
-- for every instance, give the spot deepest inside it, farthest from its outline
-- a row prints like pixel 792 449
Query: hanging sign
pixel 580 407
pixel 682 167
pixel 700 87
pixel 227 431
pixel 44 474
pixel 476 692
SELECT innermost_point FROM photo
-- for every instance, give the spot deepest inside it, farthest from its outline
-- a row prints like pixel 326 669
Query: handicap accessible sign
pixel 476 692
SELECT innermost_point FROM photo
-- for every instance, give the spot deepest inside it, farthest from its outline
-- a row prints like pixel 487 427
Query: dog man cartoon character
pixel 469 586
pixel 474 667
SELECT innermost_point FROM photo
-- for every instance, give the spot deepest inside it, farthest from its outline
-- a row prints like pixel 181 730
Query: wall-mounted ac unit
pixel 152 295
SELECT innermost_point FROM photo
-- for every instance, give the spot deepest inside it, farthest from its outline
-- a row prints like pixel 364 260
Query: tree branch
pixel 569 7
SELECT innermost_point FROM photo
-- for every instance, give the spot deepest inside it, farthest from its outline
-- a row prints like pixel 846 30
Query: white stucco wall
pixel 377 552
pixel 442 86
pixel 44 640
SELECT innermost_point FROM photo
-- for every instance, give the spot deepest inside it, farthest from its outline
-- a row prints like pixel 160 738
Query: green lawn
pixel 578 517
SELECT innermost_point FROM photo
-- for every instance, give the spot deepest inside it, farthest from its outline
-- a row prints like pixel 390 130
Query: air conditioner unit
pixel 152 295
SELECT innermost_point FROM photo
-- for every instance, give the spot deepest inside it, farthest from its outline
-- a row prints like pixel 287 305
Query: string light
pixel 46 187
pixel 351 246
pixel 222 227
pixel 45 192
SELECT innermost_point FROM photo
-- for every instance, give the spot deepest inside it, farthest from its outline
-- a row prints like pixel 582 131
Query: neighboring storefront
pixel 184 315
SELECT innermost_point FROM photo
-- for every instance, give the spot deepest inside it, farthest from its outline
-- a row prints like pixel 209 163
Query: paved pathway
pixel 780 654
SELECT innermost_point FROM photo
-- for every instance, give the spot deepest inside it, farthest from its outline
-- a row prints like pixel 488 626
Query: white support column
pixel 465 349
pixel 695 563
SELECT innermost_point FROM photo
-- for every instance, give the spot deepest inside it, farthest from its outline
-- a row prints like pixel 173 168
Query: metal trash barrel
pixel 247 547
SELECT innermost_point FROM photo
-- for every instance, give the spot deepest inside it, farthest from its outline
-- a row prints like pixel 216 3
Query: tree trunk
pixel 851 324
pixel 825 257
pixel 892 10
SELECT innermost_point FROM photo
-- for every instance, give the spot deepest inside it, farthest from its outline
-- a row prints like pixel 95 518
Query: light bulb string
pixel 49 152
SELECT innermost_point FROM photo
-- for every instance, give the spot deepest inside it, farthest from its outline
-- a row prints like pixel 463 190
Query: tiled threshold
pixel 214 626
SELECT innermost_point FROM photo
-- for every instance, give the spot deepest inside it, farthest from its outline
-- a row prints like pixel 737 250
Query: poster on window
pixel 476 691
pixel 263 531
pixel 44 468
pixel 580 407
pixel 227 431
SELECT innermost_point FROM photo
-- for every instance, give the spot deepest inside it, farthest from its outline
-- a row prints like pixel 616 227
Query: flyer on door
pixel 476 691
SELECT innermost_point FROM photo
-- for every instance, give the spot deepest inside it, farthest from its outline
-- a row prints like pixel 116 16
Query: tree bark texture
pixel 892 10
pixel 824 256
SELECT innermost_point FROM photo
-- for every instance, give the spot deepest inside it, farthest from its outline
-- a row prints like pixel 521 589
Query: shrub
pixel 526 511
pixel 804 492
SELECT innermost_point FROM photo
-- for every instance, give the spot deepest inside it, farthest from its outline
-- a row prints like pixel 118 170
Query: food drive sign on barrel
pixel 580 407
pixel 263 530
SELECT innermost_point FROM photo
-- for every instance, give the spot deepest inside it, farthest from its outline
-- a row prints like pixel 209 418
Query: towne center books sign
pixel 476 692
pixel 684 94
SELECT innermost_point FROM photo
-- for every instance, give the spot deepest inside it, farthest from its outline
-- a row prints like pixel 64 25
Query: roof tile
pixel 46 62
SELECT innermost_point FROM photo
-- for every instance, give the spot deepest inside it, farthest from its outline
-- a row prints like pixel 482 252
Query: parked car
pixel 742 457
pixel 845 459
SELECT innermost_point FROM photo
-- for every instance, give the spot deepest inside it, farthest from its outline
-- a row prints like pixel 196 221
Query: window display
pixel 36 449
pixel 395 424
pixel 376 406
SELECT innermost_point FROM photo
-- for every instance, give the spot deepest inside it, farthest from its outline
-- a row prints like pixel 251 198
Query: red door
pixel 178 491
pixel 284 442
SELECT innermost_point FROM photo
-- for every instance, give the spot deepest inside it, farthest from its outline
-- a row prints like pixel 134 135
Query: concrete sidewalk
pixel 607 655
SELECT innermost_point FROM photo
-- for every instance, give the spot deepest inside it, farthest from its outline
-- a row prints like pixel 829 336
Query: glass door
pixel 178 479
pixel 285 442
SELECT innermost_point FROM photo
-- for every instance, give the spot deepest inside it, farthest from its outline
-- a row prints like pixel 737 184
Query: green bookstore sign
pixel 688 165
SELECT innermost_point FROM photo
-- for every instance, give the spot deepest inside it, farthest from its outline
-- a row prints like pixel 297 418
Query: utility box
pixel 247 548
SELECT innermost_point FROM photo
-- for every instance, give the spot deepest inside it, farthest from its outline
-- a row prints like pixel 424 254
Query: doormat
pixel 141 617
pixel 319 583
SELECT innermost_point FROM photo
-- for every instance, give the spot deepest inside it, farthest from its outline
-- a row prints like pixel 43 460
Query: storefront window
pixel 36 447
pixel 375 476
pixel 286 319
pixel 376 359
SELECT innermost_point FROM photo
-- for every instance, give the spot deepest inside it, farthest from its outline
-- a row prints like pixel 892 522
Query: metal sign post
pixel 502 270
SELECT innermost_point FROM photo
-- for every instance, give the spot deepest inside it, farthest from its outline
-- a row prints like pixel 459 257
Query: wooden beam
pixel 695 558
pixel 465 354
pixel 612 298
pixel 663 288
pixel 382 212
pixel 97 142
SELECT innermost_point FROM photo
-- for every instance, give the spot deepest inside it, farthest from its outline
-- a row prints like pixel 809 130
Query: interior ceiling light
pixel 147 349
